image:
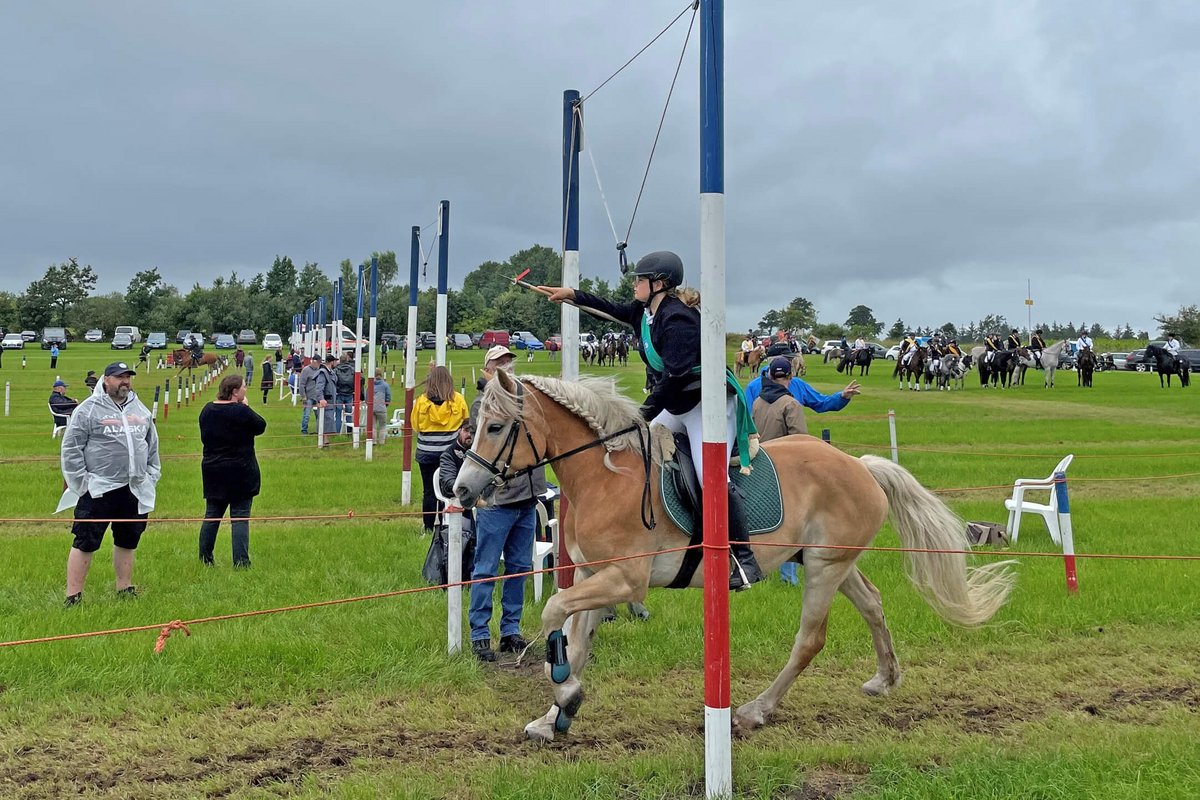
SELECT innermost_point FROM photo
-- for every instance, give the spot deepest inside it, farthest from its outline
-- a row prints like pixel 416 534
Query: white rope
pixel 603 199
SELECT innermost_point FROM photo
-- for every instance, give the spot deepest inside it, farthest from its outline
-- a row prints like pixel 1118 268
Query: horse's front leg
pixel 579 610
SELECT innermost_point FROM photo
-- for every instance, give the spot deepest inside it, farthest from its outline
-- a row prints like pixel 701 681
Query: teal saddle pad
pixel 760 490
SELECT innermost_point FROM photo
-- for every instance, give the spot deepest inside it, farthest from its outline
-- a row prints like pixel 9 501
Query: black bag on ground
pixel 436 569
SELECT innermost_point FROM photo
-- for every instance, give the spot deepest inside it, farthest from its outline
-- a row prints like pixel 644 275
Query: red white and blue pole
pixel 410 366
pixel 572 138
pixel 372 336
pixel 443 269
pixel 718 769
pixel 358 357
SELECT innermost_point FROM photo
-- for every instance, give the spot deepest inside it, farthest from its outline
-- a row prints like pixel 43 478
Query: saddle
pixel 679 487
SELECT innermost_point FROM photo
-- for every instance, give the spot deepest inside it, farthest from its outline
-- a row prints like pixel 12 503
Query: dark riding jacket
pixel 991 344
pixel 675 334
pixel 1013 342
pixel 1037 343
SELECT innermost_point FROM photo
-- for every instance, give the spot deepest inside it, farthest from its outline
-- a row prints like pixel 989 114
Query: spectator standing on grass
pixel 326 392
pixel 306 387
pixel 383 351
pixel 54 355
pixel 383 399
pixel 248 363
pixel 505 527
pixel 229 468
pixel 111 468
pixel 344 386
pixel 437 416
pixel 268 379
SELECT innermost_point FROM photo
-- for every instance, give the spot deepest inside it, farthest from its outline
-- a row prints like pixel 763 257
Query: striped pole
pixel 572 141
pixel 443 268
pixel 7 393
pixel 336 349
pixel 410 366
pixel 718 769
pixel 153 411
pixel 166 398
pixel 178 392
pixel 371 358
pixel 321 327
pixel 1065 532
pixel 358 356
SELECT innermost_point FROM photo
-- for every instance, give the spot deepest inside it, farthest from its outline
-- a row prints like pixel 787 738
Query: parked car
pixel 892 353
pixel 272 341
pixel 225 341
pixel 524 340
pixel 134 332
pixel 156 341
pixel 492 338
pixel 1112 360
pixel 1133 360
pixel 391 339
pixel 247 336
pixel 94 335
pixel 475 337
pixel 29 336
pixel 830 344
pixel 427 340
pixel 181 336
pixel 13 341
pixel 121 341
pixel 460 341
pixel 54 336
pixel 193 339
pixel 877 350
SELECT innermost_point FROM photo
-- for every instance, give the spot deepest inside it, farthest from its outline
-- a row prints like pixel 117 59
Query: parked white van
pixel 134 334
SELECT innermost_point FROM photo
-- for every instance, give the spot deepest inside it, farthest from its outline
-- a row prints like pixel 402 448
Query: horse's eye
pixel 495 428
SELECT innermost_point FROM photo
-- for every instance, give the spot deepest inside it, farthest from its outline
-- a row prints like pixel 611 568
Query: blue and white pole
pixel 572 135
pixel 358 357
pixel 1066 533
pixel 410 366
pixel 718 769
pixel 443 271
pixel 321 327
pixel 372 336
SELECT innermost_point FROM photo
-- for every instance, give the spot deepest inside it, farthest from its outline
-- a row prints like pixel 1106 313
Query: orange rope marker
pixel 165 633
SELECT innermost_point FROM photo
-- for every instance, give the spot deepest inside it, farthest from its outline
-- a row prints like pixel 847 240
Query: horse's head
pixel 505 442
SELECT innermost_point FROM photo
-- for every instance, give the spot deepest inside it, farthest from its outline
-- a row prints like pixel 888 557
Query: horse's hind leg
pixel 865 597
pixel 821 582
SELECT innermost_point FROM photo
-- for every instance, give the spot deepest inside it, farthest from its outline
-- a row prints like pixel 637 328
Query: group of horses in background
pixel 947 372
pixel 606 352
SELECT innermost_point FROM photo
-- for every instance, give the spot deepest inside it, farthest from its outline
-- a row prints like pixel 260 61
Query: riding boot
pixel 744 567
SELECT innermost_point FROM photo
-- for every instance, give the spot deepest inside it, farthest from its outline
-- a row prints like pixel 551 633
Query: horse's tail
pixel 958 593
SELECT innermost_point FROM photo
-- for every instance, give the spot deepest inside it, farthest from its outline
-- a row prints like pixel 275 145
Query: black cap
pixel 780 367
pixel 119 368
pixel 330 357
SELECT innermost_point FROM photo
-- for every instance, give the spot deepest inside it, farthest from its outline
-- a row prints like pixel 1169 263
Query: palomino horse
pixel 183 359
pixel 856 358
pixel 1168 365
pixel 1085 365
pixel 1050 358
pixel 748 360
pixel 913 370
pixel 599 446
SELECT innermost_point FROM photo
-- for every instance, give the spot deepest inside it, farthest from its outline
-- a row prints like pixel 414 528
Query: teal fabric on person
pixel 745 423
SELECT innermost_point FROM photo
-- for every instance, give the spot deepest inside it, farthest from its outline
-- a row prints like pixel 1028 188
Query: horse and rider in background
pixel 1167 364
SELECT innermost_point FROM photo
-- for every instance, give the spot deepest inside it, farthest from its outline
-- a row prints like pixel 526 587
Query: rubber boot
pixel 744 567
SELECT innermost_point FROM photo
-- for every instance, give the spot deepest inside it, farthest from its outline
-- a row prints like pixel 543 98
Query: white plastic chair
pixel 60 422
pixel 1017 505
pixel 395 425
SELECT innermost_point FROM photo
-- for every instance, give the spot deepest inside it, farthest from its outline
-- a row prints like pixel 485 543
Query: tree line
pixel 488 299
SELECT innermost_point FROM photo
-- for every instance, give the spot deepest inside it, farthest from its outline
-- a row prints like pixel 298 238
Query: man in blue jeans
pixel 504 527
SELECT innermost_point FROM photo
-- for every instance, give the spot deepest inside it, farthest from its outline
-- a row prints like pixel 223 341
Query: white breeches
pixel 693 424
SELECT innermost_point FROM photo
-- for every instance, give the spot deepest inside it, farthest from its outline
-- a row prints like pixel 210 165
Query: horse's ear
pixel 506 380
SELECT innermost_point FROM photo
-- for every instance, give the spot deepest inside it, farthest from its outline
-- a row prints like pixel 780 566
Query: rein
pixel 501 473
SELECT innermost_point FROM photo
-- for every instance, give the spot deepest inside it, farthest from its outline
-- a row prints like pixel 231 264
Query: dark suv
pixel 54 336
pixel 427 340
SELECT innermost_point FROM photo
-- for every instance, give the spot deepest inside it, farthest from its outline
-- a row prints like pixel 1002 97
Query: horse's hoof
pixel 879 686
pixel 749 717
pixel 540 731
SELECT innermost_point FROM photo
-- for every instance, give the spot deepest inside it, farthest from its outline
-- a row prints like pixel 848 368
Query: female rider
pixel 668 320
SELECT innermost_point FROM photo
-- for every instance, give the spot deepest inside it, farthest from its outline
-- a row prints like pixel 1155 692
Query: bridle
pixel 501 470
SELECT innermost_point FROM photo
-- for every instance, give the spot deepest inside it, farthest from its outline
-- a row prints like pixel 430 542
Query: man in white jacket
pixel 111 467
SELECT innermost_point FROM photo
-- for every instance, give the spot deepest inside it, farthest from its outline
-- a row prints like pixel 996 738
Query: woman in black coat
pixel 229 468
pixel 268 379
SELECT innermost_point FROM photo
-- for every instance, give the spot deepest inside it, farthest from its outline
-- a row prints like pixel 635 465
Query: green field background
pixel 1061 696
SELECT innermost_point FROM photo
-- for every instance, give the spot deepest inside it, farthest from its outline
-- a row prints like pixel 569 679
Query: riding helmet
pixel 661 265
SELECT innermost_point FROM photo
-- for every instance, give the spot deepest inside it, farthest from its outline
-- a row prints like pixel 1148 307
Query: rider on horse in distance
pixel 669 321
pixel 908 346
pixel 991 343
pixel 1036 345
pixel 1013 342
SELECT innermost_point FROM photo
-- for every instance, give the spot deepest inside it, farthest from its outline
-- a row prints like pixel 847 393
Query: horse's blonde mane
pixel 596 401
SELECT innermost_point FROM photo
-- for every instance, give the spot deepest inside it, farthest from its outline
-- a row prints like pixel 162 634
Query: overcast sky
pixel 923 158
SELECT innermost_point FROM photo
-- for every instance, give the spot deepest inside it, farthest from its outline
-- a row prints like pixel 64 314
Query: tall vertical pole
pixel 336 348
pixel 572 138
pixel 371 337
pixel 443 270
pixel 321 327
pixel 410 366
pixel 358 357
pixel 718 769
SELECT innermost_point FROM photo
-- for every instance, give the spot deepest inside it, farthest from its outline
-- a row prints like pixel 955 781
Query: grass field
pixel 1093 695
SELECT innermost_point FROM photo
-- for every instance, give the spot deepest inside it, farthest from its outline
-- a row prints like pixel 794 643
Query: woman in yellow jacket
pixel 437 416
